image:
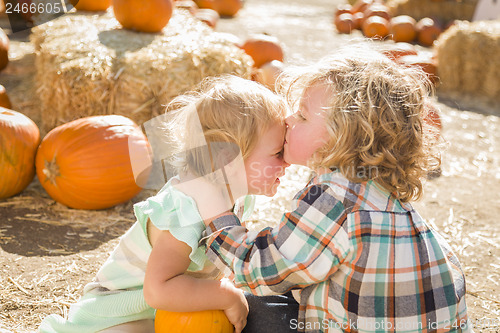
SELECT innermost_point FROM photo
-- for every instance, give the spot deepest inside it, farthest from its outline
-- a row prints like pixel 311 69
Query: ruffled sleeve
pixel 176 212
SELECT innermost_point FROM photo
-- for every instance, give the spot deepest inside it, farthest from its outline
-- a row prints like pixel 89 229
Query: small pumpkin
pixel 268 73
pixel 344 23
pixel 361 5
pixel 357 19
pixel 91 5
pixel 377 9
pixel 403 28
pixel 263 48
pixel 210 4
pixel 428 31
pixel 423 60
pixel 397 50
pixel 228 7
pixel 4 98
pixel 210 321
pixel 19 139
pixel 376 27
pixel 4 49
pixel 144 16
pixel 86 163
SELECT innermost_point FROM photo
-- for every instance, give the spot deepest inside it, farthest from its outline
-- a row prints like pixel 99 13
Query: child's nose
pixel 289 120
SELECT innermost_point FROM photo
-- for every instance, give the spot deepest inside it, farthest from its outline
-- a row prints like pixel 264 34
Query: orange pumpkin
pixel 210 4
pixel 376 27
pixel 263 48
pixel 397 50
pixel 211 321
pixel 361 5
pixel 145 16
pixel 4 98
pixel 423 60
pixel 268 73
pixel 91 5
pixel 344 23
pixel 357 19
pixel 228 7
pixel 86 163
pixel 403 28
pixel 377 9
pixel 19 139
pixel 428 31
pixel 4 49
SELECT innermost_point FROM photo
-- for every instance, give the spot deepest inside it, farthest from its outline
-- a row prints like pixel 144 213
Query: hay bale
pixel 469 61
pixel 443 10
pixel 88 65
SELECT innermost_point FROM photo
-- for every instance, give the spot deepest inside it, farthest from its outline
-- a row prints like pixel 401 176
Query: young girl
pixel 353 249
pixel 158 263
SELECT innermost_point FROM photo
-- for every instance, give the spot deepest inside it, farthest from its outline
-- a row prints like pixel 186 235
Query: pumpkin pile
pixel 374 19
pixel 89 163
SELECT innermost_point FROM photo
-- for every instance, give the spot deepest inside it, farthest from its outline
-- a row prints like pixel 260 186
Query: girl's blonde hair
pixel 374 118
pixel 223 116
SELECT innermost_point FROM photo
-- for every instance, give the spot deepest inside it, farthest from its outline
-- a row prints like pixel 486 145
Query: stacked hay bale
pixel 88 65
pixel 469 61
pixel 445 11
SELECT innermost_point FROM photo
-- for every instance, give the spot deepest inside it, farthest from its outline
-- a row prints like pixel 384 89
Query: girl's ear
pixel 227 160
pixel 222 154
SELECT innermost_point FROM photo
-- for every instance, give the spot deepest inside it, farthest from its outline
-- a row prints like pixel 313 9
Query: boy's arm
pixel 166 286
pixel 306 248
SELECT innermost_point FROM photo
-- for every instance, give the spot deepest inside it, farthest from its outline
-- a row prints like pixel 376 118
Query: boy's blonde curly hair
pixel 374 119
pixel 226 113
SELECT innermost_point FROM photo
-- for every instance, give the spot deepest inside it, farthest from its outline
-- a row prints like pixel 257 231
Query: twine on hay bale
pixel 443 10
pixel 469 61
pixel 88 65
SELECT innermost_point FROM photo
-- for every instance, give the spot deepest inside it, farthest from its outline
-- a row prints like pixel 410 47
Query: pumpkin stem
pixel 51 171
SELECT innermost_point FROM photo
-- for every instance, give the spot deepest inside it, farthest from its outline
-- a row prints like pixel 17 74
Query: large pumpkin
pixel 140 15
pixel 19 139
pixel 210 321
pixel 87 164
pixel 91 5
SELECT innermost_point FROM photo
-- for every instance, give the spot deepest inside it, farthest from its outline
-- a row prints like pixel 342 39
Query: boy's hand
pixel 237 311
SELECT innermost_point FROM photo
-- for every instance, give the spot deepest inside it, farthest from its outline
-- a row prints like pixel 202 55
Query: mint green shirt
pixel 116 295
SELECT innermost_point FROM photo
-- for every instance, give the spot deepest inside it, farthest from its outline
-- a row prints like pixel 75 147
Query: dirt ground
pixel 49 252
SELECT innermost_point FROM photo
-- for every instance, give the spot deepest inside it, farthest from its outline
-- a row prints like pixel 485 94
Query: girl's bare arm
pixel 166 286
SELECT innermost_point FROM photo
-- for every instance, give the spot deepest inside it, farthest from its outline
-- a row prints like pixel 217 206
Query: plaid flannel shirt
pixel 363 261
